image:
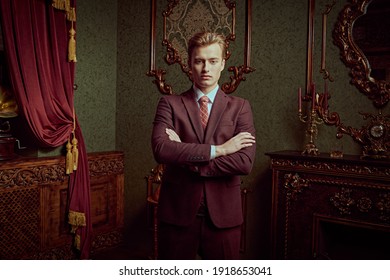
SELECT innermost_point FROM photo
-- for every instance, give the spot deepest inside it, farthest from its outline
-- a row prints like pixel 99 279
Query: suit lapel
pixel 193 114
pixel 219 106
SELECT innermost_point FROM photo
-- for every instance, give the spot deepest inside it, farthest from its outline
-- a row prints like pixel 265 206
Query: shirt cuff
pixel 212 152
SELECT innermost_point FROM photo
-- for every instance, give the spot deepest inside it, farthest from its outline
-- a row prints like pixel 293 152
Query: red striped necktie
pixel 204 114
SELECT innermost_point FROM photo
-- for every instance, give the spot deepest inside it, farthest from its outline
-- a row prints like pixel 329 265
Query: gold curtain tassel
pixel 64 5
pixel 72 45
pixel 76 219
pixel 69 158
pixel 75 152
pixel 71 14
pixel 58 4
pixel 77 241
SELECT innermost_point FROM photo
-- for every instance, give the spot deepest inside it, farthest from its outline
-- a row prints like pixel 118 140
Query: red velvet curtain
pixel 35 39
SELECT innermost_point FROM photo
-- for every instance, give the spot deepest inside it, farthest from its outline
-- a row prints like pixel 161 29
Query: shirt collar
pixel 211 95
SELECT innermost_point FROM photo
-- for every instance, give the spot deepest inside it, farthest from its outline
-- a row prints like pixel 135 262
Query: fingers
pixel 172 135
pixel 245 139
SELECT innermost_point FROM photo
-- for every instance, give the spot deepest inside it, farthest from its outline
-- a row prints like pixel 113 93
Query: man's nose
pixel 206 66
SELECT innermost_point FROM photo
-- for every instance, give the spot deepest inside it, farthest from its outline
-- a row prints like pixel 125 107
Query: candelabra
pixel 311 119
pixel 319 101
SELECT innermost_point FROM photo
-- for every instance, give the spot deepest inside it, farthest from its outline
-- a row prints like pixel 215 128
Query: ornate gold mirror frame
pixel 181 19
pixel 374 136
pixel 376 90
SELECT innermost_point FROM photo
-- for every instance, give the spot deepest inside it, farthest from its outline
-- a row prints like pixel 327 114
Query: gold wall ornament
pixel 182 19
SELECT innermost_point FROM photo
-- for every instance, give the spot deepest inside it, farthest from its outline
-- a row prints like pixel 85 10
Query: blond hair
pixel 204 39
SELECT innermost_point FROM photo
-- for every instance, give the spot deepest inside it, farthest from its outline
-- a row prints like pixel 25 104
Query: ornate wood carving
pixel 307 164
pixel 33 194
pixel 384 207
pixel 104 165
pixel 374 136
pixel 343 201
pixel 348 191
pixel 27 176
pixel 294 185
pixel 181 19
pixel 376 90
pixel 106 241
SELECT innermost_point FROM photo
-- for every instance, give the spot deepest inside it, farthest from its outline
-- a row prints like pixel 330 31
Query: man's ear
pixel 223 64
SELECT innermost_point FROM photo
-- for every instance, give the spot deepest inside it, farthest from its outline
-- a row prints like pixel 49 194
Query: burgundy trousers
pixel 200 238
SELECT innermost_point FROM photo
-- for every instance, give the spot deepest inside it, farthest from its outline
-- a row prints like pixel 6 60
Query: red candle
pixel 313 96
pixel 300 99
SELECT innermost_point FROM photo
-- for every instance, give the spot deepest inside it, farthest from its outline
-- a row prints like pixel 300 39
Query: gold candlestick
pixel 311 131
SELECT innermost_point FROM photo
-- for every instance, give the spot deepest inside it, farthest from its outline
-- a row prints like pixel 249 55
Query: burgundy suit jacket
pixel 189 169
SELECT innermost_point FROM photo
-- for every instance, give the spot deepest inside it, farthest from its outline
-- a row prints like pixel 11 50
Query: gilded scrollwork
pixel 364 204
pixel 236 78
pixel 294 185
pixel 342 201
pixel 345 201
pixel 348 191
pixel 159 75
pixel 157 173
pixel 354 58
pixel 333 166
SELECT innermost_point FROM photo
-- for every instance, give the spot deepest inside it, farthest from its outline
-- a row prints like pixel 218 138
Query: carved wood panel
pixel 33 195
pixel 347 191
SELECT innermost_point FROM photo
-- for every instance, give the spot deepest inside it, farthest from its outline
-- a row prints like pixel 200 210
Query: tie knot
pixel 204 99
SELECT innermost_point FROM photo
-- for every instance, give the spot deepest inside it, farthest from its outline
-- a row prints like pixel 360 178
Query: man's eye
pixel 198 61
pixel 214 61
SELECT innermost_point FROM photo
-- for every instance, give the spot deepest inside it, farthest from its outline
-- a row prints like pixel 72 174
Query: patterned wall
pixel 116 100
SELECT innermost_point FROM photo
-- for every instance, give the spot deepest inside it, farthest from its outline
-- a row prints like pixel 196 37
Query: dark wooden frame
pixel 172 56
pixel 306 190
pixel 376 90
pixel 310 49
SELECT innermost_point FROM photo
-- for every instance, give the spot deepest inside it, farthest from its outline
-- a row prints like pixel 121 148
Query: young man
pixel 205 147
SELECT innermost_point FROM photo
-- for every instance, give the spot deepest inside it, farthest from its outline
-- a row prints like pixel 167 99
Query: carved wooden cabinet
pixel 33 199
pixel 329 208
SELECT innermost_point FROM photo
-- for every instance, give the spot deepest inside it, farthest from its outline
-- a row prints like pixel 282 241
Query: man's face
pixel 206 65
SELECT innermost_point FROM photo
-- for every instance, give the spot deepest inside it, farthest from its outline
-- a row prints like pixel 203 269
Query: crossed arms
pixel 234 156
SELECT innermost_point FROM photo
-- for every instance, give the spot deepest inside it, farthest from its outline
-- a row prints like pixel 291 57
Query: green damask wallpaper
pixel 116 100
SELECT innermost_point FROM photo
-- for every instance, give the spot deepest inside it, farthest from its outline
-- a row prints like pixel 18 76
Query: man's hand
pixel 172 135
pixel 234 144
